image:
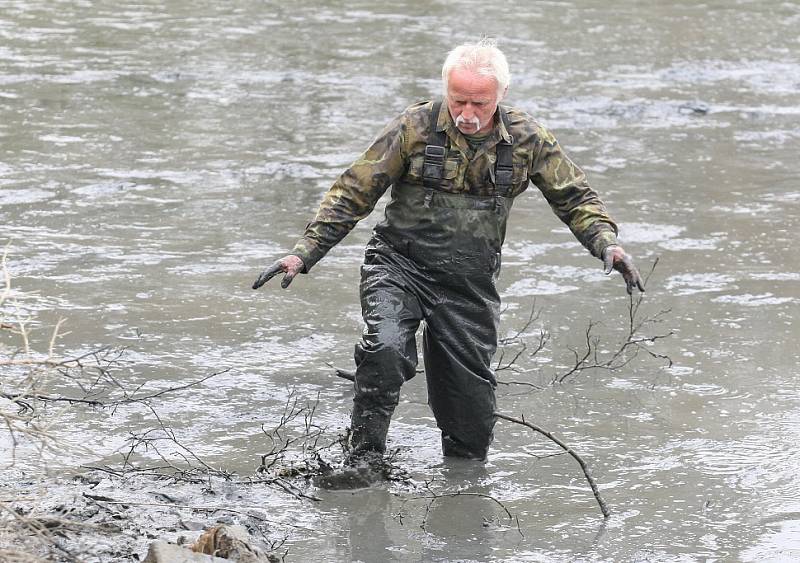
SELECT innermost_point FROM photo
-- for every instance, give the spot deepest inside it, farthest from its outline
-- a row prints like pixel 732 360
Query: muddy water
pixel 154 158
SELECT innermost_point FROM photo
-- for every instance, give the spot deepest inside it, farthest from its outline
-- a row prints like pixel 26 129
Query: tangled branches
pixel 632 345
pixel 36 391
pixel 30 377
pixel 590 356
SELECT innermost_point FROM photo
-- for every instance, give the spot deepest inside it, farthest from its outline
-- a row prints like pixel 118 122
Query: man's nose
pixel 468 112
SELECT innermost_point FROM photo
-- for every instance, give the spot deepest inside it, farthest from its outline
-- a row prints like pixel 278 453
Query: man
pixel 455 168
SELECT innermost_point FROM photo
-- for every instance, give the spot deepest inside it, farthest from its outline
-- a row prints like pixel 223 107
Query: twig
pixel 17 397
pixel 524 383
pixel 517 339
pixel 633 342
pixel 169 390
pixel 569 450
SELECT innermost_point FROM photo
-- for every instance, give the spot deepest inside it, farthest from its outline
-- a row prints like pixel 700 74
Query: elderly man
pixel 455 167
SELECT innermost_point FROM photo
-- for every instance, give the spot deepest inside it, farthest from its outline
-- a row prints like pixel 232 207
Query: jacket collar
pixel 445 123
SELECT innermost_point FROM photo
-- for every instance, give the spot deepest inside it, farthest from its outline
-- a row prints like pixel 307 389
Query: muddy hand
pixel 291 265
pixel 615 258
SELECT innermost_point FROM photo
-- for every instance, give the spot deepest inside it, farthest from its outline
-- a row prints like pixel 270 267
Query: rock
pixel 219 544
pixel 163 552
pixel 230 542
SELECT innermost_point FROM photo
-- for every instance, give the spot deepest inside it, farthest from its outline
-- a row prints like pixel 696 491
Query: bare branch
pixel 569 450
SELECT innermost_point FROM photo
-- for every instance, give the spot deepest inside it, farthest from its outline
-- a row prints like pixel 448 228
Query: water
pixel 154 158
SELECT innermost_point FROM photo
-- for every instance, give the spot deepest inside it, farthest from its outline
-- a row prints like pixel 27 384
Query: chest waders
pixel 434 258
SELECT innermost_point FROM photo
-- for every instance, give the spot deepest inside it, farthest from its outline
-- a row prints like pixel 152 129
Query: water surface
pixel 154 158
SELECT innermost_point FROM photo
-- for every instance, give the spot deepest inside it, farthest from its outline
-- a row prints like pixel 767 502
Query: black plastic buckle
pixel 433 166
pixel 435 154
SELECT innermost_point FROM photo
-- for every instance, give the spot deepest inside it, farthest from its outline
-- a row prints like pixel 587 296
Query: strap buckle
pixel 433 166
pixel 435 153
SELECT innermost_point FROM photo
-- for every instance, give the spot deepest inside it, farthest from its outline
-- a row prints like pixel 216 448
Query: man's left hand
pixel 615 258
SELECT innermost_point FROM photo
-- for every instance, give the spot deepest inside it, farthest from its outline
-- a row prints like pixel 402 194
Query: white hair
pixel 482 57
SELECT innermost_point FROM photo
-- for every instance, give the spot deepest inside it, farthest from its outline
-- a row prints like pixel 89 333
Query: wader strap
pixel 435 152
pixel 503 167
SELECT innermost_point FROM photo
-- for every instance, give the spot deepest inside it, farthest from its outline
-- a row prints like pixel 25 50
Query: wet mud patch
pixel 95 517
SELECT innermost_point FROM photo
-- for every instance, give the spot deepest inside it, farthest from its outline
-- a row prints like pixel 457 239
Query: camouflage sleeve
pixel 566 189
pixel 354 194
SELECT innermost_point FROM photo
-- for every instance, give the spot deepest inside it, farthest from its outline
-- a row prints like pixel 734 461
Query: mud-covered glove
pixel 615 258
pixel 291 265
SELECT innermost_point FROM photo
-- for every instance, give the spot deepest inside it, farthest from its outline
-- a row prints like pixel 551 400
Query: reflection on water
pixel 154 158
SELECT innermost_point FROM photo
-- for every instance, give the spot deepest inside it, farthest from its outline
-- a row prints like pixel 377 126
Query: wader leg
pixel 386 356
pixel 460 339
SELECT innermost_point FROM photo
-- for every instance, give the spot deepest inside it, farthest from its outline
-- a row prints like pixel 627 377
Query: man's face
pixel 472 100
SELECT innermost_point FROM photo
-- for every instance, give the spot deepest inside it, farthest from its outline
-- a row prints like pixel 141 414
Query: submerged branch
pixel 432 496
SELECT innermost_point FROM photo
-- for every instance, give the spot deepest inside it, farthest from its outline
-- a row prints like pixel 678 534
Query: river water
pixel 154 157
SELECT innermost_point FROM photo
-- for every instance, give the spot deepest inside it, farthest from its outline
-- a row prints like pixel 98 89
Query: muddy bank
pixel 94 517
pixel 100 516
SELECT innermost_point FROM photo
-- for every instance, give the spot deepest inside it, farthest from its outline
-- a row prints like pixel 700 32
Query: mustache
pixel 461 120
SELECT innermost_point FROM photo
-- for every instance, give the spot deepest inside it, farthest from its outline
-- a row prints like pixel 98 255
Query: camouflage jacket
pixel 397 156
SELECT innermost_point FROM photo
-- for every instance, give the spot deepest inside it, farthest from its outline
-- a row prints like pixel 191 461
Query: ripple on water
pixel 765 77
pixel 777 276
pixel 524 251
pixel 789 197
pixel 287 170
pixel 531 286
pixel 653 462
pixel 106 189
pixel 748 209
pixel 270 355
pixel 236 257
pixel 780 541
pixel 31 195
pixel 689 244
pixel 688 284
pixel 752 461
pixel 750 300
pixel 649 232
pixel 759 139
pixel 704 389
pixel 569 272
pixel 61 139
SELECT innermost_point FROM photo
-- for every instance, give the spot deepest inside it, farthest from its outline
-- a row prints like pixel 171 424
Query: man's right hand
pixel 291 265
